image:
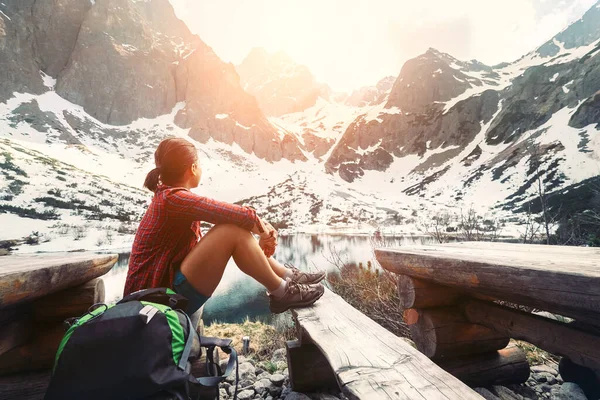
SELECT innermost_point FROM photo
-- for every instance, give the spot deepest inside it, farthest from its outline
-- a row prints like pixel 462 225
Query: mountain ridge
pixel 443 134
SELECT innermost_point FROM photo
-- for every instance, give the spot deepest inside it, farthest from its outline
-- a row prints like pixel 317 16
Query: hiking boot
pixel 305 278
pixel 296 295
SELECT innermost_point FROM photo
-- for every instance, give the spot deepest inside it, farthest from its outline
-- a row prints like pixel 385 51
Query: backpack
pixel 138 348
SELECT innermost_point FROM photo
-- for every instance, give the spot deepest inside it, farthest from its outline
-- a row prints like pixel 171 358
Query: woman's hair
pixel 172 158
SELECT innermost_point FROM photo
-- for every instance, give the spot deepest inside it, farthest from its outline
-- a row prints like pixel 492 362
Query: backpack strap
pixel 188 344
pixel 215 380
pixel 163 296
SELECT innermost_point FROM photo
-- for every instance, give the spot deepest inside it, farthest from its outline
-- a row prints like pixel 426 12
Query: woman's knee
pixel 230 231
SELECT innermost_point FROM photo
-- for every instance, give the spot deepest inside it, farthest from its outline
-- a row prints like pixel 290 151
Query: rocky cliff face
pixel 279 84
pixel 414 118
pixel 455 130
pixel 371 95
pixel 122 60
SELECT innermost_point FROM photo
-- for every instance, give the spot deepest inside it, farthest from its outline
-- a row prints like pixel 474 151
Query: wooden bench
pixel 451 294
pixel 37 293
pixel 338 345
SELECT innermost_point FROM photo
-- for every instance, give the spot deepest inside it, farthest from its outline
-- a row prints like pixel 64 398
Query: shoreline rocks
pixel 257 383
pixel 544 382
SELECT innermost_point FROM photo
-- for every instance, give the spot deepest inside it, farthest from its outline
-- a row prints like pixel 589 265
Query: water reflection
pixel 239 297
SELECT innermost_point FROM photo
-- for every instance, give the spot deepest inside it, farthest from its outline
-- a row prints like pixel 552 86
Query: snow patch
pixel 7 17
pixel 48 81
pixel 242 126
pixel 553 79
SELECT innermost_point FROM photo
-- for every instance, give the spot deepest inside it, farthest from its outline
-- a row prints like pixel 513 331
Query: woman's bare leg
pixel 203 267
pixel 277 267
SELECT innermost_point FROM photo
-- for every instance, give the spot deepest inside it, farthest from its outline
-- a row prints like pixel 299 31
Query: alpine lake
pixel 238 297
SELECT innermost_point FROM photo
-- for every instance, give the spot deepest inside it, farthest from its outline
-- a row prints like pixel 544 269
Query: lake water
pixel 239 297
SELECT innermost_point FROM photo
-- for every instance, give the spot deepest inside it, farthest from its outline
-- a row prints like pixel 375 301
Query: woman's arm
pixel 183 204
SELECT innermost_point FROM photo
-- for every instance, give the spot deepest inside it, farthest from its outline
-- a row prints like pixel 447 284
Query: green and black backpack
pixel 138 348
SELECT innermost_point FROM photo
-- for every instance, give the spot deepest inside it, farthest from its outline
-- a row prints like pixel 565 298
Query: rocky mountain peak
pixel 280 85
pixel 582 32
pixel 371 95
pixel 122 60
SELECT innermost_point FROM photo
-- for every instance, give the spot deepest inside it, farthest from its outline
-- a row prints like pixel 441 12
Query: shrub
pixel 372 291
pixel 28 212
pixel 79 232
pixel 264 339
pixel 33 238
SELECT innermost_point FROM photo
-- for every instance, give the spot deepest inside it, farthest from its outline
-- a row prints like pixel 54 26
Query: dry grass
pixel 264 339
pixel 535 355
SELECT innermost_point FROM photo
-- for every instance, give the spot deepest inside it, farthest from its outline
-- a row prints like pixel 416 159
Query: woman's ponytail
pixel 152 178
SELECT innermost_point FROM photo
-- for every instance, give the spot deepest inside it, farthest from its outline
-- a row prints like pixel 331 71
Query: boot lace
pixel 300 288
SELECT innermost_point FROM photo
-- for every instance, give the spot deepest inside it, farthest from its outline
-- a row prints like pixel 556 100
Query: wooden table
pixel 452 293
pixel 560 279
pixel 27 277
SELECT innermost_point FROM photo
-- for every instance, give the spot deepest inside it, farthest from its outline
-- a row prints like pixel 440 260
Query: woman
pixel 168 252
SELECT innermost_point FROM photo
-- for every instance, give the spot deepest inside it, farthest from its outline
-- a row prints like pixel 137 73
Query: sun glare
pixel 351 43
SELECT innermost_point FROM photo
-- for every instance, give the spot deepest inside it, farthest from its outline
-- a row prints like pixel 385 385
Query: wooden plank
pixel 36 355
pixel 25 278
pixel 503 367
pixel 558 338
pixel 71 302
pixel 561 279
pixel 28 386
pixel 444 332
pixel 371 362
pixel 417 293
pixel 308 367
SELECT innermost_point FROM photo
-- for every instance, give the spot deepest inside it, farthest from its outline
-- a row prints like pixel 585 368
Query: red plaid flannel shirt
pixel 169 231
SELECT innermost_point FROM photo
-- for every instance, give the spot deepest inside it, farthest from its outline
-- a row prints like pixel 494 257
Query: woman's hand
pixel 268 240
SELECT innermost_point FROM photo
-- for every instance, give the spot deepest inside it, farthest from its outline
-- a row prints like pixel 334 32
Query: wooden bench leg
pixel 502 367
pixel 586 378
pixel 309 369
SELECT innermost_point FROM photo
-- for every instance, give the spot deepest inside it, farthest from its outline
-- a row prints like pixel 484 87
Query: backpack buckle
pixel 147 313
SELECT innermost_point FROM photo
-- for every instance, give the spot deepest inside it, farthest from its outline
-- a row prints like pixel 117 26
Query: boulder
pixel 544 368
pixel 262 386
pixel 246 371
pixel 278 379
pixel 296 396
pixel 279 355
pixel 245 395
pixel 505 393
pixel 486 394
pixel 569 391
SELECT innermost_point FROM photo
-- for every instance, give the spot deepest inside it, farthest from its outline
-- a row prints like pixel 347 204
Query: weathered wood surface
pixel 558 338
pixel 36 355
pixel 502 367
pixel 71 302
pixel 444 332
pixel 25 278
pixel 417 293
pixel 28 386
pixel 561 279
pixel 16 333
pixel 309 369
pixel 371 362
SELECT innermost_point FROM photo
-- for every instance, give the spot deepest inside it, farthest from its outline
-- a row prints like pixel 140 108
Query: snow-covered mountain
pixel 464 131
pixel 371 95
pixel 280 85
pixel 85 98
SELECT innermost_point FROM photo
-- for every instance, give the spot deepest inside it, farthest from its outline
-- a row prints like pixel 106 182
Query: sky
pixel 353 43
